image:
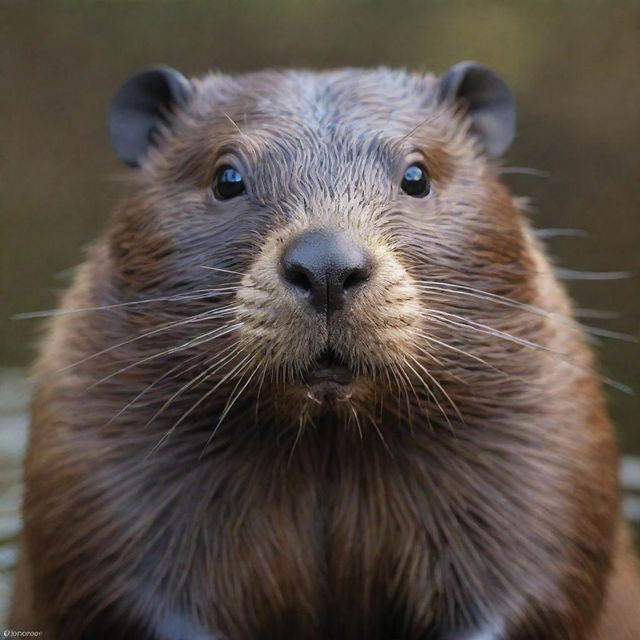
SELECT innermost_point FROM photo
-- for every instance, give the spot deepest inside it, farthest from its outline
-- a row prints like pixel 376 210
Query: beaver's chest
pixel 419 536
pixel 354 540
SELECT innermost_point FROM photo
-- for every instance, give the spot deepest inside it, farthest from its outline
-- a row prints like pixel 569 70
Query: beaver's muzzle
pixel 324 268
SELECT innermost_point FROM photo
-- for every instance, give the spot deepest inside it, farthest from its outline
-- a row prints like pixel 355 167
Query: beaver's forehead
pixel 351 99
pixel 303 133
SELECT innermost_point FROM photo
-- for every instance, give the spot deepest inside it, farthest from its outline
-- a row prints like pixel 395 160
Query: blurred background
pixel 573 67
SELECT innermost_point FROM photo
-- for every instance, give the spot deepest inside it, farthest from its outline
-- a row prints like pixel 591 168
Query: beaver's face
pixel 346 211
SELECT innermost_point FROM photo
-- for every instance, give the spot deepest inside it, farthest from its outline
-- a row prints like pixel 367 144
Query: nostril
pixel 298 278
pixel 356 277
pixel 324 268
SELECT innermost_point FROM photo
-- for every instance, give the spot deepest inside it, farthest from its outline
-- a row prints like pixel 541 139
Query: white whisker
pixel 195 405
pixel 197 294
pixel 197 341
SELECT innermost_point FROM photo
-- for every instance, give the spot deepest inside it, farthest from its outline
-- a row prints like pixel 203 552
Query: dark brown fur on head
pixel 185 480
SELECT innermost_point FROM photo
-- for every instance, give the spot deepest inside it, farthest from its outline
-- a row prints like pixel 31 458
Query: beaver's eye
pixel 415 182
pixel 228 183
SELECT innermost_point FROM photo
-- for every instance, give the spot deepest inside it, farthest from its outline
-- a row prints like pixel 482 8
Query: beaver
pixel 317 380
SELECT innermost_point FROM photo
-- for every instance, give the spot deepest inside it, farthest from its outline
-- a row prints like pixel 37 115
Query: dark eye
pixel 228 183
pixel 415 182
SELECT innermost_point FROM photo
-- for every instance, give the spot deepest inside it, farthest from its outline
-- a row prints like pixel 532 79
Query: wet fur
pixel 468 483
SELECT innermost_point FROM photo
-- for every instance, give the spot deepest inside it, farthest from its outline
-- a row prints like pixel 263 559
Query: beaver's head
pixel 332 236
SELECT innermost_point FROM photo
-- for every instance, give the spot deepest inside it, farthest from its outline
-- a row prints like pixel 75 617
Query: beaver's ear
pixel 141 104
pixel 488 101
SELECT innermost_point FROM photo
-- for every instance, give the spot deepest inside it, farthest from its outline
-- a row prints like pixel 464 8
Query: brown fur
pixel 468 483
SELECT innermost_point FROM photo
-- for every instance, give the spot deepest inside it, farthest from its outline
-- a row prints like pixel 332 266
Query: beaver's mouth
pixel 329 368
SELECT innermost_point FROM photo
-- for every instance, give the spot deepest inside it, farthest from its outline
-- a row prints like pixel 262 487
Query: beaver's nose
pixel 325 267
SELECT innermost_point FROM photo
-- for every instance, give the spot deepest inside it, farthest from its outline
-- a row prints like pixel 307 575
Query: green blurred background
pixel 573 66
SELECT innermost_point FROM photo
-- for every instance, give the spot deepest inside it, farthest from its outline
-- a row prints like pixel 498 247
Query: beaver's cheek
pixel 276 329
pixel 383 323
